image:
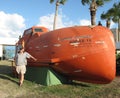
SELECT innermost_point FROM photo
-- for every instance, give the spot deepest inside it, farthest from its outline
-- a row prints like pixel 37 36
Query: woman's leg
pixel 21 79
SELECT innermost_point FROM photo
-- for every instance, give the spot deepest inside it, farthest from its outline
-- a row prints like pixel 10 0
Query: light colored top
pixel 21 58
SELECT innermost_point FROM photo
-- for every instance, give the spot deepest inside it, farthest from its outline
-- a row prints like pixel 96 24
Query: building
pixel 7 47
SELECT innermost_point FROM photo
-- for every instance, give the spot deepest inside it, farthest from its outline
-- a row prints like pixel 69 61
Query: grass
pixel 9 88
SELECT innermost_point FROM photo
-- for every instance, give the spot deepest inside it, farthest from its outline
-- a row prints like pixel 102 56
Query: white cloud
pixel 113 25
pixel 46 21
pixel 11 25
pixel 62 21
pixel 8 41
pixel 84 22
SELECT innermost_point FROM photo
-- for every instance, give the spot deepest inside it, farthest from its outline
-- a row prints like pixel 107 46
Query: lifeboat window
pixel 29 31
pixel 38 30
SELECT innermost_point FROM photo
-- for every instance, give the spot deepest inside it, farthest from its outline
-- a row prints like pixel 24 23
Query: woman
pixel 21 62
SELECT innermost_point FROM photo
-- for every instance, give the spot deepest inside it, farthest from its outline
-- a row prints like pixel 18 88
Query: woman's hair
pixel 21 48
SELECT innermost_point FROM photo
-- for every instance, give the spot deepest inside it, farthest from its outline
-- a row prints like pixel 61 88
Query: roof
pixel 8 41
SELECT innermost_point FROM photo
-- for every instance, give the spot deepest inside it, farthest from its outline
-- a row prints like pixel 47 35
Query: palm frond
pixel 51 1
pixel 101 2
pixel 85 2
pixel 63 2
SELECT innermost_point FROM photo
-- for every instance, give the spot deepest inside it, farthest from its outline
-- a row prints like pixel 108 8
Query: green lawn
pixel 9 88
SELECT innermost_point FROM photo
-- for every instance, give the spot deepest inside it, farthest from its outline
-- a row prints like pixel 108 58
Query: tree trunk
pixel 56 13
pixel 93 8
pixel 108 23
pixel 93 15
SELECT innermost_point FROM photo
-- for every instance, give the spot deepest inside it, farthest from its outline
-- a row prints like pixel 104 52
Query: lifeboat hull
pixel 82 53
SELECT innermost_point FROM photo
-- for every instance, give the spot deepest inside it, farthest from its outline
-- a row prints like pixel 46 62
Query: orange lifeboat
pixel 83 53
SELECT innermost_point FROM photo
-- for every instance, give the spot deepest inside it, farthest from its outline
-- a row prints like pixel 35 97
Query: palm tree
pixel 107 16
pixel 116 14
pixel 94 4
pixel 115 11
pixel 58 2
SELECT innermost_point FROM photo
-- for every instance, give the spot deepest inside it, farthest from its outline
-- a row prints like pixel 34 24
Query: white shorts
pixel 21 69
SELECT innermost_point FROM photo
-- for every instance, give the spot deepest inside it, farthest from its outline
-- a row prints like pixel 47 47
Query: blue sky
pixel 17 15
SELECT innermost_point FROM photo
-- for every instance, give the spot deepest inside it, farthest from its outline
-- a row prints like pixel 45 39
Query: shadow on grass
pixel 80 84
pixel 6 73
pixel 118 71
pixel 6 77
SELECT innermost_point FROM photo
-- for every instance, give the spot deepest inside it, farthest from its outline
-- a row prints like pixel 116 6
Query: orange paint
pixel 80 53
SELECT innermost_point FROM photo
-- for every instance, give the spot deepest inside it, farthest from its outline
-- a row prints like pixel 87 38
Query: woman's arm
pixel 34 58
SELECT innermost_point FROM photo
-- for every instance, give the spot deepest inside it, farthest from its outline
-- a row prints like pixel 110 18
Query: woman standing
pixel 21 62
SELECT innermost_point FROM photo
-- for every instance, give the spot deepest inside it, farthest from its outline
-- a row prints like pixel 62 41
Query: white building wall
pixel 1 51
